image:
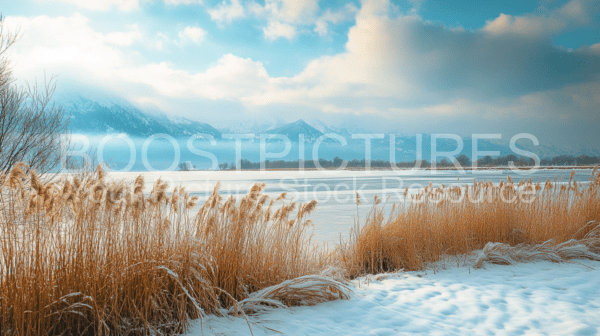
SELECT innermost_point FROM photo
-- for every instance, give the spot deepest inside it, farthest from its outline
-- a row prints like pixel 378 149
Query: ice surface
pixel 335 191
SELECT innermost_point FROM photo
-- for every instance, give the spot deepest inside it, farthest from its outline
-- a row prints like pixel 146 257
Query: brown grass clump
pixel 302 291
pixel 87 256
pixel 587 247
pixel 455 221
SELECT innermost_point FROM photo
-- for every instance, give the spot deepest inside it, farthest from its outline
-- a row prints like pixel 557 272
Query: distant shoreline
pixel 405 169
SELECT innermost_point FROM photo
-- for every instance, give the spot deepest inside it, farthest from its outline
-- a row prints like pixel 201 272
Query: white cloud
pixel 233 77
pixel 276 30
pixel 227 12
pixel 573 14
pixel 65 46
pixel 196 34
pixel 122 5
pixel 402 59
pixel 405 61
pixel 183 2
pixel 385 59
pixel 291 11
pixel 342 14
pixel 283 18
pixel 124 38
pixel 525 26
pixel 159 40
pixel 70 48
pixel 104 5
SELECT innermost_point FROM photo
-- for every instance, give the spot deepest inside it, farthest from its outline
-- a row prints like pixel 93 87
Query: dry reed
pixel 88 256
pixel 456 221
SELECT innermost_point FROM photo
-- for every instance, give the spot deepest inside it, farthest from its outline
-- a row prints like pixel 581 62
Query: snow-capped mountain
pixel 118 116
pixel 293 131
pixel 327 129
pixel 107 114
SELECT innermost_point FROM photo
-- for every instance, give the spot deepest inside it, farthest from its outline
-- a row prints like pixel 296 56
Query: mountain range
pixel 93 117
pixel 114 115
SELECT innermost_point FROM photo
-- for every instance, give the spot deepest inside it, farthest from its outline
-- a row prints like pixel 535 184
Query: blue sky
pixel 405 66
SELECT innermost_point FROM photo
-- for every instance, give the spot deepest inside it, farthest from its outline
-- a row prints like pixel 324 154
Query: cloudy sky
pixel 409 66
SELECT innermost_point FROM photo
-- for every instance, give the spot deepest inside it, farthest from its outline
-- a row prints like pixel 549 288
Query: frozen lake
pixel 335 190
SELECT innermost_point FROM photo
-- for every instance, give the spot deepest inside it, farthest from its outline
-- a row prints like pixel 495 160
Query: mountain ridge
pixel 116 115
pixel 93 117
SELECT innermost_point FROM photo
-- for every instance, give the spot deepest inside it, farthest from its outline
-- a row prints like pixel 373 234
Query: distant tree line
pixel 463 160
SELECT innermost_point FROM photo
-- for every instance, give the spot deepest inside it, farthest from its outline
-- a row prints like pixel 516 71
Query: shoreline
pixel 401 169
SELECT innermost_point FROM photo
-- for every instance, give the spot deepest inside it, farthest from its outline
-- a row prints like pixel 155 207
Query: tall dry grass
pixel 88 256
pixel 261 241
pixel 453 220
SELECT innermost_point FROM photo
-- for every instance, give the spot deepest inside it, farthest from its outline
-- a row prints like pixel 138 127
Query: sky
pixel 409 66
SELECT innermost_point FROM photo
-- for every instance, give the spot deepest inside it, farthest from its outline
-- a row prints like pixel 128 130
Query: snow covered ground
pixel 541 298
